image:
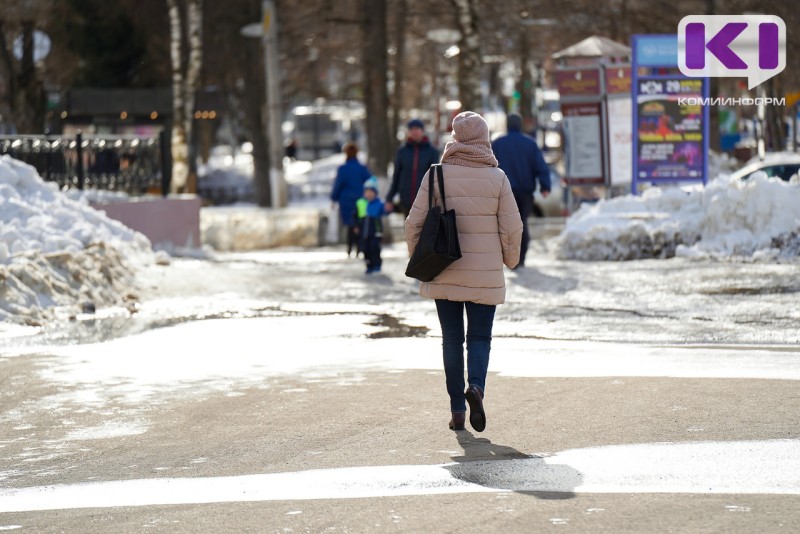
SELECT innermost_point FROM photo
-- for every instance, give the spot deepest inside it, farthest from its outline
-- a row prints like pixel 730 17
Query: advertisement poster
pixel 583 143
pixel 582 82
pixel 618 80
pixel 620 135
pixel 670 135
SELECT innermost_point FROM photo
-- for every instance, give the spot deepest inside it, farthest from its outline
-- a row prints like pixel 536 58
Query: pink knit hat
pixel 470 146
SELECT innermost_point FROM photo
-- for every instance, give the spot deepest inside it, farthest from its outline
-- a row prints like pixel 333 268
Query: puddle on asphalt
pixel 94 329
pixel 394 328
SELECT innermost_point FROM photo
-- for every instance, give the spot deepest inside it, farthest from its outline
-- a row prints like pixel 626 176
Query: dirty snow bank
pixel 55 251
pixel 758 218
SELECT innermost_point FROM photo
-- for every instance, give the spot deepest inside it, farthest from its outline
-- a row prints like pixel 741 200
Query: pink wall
pixel 167 222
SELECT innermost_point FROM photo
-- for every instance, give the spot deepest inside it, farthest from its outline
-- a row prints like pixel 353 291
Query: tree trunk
pixel 376 95
pixel 26 100
pixel 8 72
pixel 401 22
pixel 525 86
pixel 255 122
pixel 193 69
pixel 185 76
pixel 35 96
pixel 180 135
pixel 776 134
pixel 469 58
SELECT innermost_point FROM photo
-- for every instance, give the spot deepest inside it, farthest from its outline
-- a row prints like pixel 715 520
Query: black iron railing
pixel 131 164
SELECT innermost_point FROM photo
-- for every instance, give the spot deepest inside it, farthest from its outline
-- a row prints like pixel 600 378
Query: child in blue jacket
pixel 369 225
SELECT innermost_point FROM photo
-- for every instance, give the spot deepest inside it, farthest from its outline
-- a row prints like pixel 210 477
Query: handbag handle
pixel 440 176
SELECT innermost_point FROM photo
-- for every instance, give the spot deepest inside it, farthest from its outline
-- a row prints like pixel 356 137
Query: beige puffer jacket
pixel 489 232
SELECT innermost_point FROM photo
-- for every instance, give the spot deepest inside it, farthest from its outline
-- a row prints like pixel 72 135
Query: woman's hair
pixel 350 150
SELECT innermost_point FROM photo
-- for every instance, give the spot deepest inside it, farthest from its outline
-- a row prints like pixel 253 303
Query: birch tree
pixel 186 52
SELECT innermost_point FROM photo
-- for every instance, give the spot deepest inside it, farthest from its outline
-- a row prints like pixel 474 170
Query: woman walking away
pixel 347 189
pixel 489 232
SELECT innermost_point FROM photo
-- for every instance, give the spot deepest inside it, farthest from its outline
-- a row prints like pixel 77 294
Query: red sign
pixel 583 82
pixel 618 80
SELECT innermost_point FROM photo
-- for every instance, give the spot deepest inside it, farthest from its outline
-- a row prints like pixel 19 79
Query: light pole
pixel 267 30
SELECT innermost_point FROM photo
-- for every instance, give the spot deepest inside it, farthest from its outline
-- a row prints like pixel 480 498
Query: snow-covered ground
pixel 758 218
pixel 57 252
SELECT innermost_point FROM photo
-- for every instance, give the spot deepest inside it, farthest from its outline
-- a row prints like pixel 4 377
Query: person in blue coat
pixel 519 157
pixel 347 189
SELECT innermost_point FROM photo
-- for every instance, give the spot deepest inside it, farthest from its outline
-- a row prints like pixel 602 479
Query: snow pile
pixel 55 251
pixel 721 163
pixel 758 218
pixel 97 196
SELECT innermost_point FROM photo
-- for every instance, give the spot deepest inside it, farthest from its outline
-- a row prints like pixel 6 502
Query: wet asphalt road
pixel 286 392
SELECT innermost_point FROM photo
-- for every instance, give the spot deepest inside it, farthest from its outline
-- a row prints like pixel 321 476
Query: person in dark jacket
pixel 413 160
pixel 347 189
pixel 519 157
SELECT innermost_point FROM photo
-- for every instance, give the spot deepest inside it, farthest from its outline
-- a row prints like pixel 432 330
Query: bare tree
pixel 400 23
pixel 376 95
pixel 186 52
pixel 469 58
pixel 25 98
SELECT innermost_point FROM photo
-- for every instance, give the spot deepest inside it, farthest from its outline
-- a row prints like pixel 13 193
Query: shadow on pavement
pixel 536 280
pixel 497 466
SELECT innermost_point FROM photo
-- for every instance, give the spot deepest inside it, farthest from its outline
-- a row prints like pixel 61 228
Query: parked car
pixel 781 165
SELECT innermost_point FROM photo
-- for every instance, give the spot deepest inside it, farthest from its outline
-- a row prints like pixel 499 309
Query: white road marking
pixel 737 467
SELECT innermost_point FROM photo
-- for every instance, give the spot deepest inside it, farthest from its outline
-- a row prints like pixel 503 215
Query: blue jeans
pixel 479 342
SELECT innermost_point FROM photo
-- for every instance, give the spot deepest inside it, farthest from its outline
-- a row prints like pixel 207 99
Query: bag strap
pixel 440 174
pixel 430 185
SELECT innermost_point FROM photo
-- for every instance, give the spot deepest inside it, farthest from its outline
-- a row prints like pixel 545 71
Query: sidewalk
pixel 284 390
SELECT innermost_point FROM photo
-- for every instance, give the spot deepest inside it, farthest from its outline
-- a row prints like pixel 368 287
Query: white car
pixel 781 165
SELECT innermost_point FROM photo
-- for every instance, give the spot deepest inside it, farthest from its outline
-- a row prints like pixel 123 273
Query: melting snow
pixel 758 218
pixel 55 251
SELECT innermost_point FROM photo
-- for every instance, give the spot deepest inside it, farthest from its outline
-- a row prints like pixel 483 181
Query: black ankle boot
pixel 477 417
pixel 457 421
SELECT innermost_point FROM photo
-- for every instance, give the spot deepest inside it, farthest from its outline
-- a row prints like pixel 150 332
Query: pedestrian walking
pixel 347 189
pixel 413 159
pixel 519 157
pixel 369 225
pixel 489 233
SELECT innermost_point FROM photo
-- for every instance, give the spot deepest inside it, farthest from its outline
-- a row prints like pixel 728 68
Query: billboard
pixel 670 124
pixel 670 135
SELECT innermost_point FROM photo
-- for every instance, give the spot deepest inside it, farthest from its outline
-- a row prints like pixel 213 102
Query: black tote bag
pixel 438 241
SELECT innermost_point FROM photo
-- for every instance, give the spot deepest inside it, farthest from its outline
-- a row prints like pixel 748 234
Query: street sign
pixel 253 30
pixel 41 46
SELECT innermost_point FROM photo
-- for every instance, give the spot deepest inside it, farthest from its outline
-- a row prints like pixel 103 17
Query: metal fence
pixel 131 164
